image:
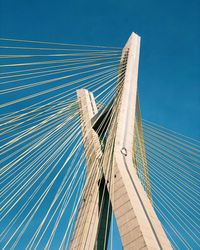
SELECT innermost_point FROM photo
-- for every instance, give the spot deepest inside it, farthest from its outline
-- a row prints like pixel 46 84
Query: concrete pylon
pixel 137 221
pixel 89 230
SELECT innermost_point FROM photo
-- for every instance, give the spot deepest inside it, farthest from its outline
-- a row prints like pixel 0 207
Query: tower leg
pixel 89 230
pixel 138 224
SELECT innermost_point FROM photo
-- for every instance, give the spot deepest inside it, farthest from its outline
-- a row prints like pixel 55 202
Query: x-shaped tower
pixel 112 182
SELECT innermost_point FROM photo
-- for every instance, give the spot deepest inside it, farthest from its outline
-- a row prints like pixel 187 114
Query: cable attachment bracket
pixel 124 151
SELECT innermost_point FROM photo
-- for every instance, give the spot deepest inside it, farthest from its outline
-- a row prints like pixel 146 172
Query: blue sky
pixel 169 75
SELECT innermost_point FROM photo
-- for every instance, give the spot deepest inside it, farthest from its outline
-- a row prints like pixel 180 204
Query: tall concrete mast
pixel 138 224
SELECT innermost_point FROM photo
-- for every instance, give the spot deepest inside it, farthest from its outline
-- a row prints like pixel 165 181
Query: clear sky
pixel 169 75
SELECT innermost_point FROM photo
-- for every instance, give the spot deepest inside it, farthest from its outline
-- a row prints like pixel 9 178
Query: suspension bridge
pixel 79 164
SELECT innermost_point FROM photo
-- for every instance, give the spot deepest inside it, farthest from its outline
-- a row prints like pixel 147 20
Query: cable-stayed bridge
pixel 79 164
